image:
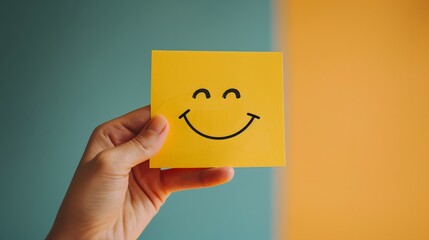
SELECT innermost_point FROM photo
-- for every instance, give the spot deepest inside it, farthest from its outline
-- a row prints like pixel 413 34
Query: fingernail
pixel 157 124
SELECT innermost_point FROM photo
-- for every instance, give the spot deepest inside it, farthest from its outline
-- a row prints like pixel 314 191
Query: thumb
pixel 139 149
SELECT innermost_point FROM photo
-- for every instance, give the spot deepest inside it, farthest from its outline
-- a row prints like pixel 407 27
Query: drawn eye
pixel 232 90
pixel 201 90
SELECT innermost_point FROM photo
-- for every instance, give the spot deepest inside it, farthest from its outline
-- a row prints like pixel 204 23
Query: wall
pixel 67 66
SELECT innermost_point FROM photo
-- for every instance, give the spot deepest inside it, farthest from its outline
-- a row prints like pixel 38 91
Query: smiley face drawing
pixel 223 108
pixel 207 95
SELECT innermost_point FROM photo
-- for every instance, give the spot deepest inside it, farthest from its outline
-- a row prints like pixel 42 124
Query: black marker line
pixel 232 90
pixel 183 115
pixel 201 90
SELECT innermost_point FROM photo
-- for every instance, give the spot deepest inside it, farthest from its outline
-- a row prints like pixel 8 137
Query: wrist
pixel 60 235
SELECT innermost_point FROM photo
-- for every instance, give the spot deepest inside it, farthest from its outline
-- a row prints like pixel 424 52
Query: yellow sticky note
pixel 224 108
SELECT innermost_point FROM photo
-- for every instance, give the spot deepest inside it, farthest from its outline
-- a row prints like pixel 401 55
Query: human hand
pixel 114 194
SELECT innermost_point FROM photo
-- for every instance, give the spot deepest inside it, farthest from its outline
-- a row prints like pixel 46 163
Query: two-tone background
pixel 357 103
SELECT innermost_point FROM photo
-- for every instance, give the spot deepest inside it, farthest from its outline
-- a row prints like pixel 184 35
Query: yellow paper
pixel 224 108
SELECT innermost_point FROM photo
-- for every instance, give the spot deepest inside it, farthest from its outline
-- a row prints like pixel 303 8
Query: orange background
pixel 358 120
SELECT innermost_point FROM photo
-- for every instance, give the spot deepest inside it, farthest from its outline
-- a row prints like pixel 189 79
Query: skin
pixel 114 194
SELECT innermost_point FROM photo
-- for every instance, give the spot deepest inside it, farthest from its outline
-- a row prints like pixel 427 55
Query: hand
pixel 114 194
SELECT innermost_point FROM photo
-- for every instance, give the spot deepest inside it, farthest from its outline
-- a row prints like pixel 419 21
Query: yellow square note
pixel 224 108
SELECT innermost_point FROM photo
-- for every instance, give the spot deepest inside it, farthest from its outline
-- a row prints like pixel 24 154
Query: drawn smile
pixel 183 115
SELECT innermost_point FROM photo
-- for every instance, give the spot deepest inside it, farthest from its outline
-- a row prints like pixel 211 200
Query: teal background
pixel 67 66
